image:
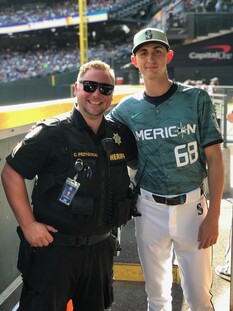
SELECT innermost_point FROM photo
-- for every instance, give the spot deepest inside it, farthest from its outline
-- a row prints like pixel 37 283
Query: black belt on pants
pixel 180 199
pixel 177 200
pixel 78 240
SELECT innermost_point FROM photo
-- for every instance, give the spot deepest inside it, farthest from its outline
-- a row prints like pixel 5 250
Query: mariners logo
pixel 117 138
pixel 181 130
pixel 200 209
pixel 148 34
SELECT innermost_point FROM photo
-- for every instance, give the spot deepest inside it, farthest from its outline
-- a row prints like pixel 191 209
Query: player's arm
pixel 15 188
pixel 208 232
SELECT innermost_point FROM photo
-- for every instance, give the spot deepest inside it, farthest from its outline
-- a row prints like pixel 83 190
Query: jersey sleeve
pixel 121 112
pixel 210 132
pixel 115 115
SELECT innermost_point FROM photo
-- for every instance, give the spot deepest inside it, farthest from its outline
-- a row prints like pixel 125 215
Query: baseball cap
pixel 148 35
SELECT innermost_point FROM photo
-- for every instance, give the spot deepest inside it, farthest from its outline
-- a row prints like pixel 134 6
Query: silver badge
pixel 117 138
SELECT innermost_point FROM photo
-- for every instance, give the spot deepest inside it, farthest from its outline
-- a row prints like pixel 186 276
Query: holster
pixel 125 209
pixel 25 253
pixel 121 212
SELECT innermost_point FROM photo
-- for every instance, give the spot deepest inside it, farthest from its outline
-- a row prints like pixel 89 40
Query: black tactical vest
pixel 101 201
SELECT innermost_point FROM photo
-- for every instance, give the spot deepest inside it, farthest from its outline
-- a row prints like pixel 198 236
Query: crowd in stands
pixel 208 6
pixel 176 10
pixel 211 86
pixel 18 65
pixel 31 12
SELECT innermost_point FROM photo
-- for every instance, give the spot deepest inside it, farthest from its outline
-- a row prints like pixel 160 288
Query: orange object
pixel 119 80
pixel 69 306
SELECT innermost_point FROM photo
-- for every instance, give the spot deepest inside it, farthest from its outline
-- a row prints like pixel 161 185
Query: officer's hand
pixel 38 234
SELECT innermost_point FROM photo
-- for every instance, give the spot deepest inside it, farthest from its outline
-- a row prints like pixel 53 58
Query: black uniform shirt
pixel 50 152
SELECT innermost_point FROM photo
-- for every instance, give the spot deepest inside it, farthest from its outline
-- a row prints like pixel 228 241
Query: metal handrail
pixel 231 283
pixel 221 99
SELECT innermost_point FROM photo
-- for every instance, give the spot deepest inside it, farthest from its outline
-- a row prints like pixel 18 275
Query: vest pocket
pixel 45 182
pixel 83 205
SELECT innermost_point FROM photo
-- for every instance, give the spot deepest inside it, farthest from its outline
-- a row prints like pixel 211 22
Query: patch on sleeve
pixel 16 148
pixel 34 132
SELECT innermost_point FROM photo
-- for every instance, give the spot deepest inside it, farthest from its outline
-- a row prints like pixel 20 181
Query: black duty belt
pixel 78 240
pixel 180 199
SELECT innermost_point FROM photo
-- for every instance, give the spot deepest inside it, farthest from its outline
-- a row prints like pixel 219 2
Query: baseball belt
pixel 173 200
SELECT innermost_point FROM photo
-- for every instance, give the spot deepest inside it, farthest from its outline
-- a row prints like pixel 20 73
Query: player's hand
pixel 208 232
pixel 38 234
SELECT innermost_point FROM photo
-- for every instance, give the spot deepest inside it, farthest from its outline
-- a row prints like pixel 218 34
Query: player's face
pixel 152 59
pixel 94 98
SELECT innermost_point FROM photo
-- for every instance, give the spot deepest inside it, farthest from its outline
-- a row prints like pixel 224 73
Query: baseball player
pixel 179 146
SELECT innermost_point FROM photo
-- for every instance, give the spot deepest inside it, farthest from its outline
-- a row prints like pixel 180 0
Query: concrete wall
pixel 10 280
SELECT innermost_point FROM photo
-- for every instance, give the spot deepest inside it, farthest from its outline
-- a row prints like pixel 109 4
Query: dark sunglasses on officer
pixel 91 87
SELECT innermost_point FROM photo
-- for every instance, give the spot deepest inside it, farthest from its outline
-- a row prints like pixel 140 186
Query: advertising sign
pixel 217 51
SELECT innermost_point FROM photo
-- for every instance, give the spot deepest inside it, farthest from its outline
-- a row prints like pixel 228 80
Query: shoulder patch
pixel 64 117
pixel 17 147
pixel 34 132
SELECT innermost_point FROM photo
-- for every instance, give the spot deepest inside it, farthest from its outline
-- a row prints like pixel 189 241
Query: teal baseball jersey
pixel 171 133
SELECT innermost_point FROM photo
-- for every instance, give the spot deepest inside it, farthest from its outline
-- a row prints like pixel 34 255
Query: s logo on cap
pixel 148 34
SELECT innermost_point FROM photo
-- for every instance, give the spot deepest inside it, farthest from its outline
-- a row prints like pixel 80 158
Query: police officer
pixel 79 162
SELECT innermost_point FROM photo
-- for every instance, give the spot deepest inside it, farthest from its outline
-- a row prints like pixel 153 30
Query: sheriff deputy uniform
pixel 81 188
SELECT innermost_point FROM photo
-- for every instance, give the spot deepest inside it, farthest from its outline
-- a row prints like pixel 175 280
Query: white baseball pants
pixel 158 229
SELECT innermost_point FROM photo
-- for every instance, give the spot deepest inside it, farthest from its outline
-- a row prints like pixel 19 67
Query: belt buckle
pixel 179 200
pixel 81 241
pixel 183 199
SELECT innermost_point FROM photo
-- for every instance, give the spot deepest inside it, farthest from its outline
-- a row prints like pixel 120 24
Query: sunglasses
pixel 91 87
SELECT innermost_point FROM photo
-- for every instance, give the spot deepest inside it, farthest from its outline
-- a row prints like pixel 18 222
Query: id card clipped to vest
pixel 71 185
pixel 69 190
